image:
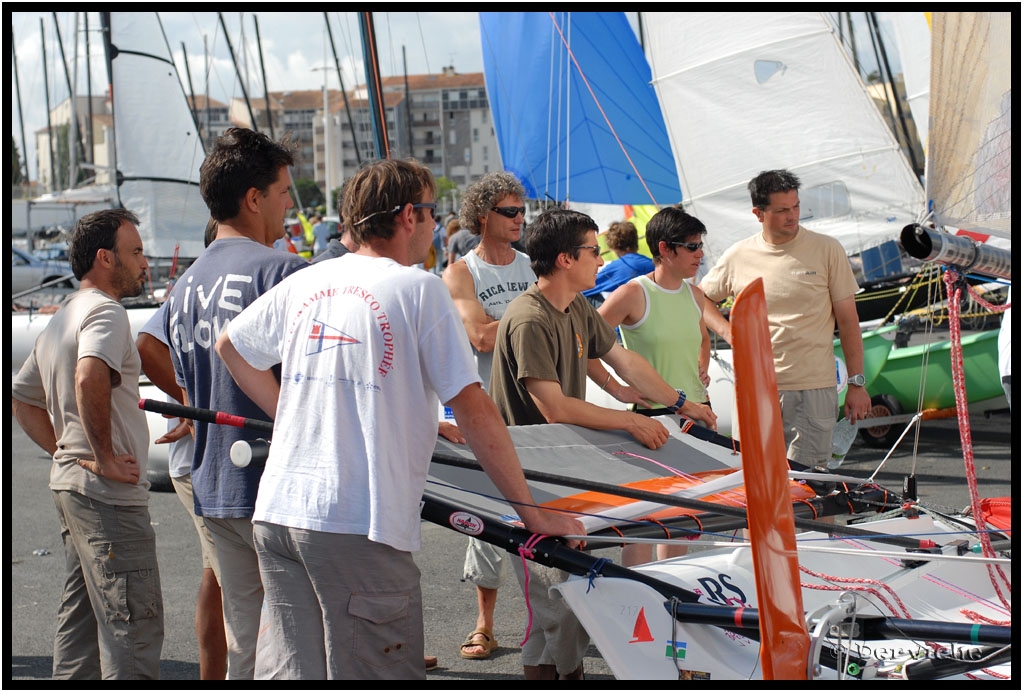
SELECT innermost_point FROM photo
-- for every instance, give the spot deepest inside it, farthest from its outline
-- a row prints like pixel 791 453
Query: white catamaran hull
pixel 631 626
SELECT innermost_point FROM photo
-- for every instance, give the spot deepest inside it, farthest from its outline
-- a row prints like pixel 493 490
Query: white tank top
pixel 495 286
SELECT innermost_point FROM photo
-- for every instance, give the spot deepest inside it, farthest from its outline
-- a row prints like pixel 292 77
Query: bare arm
pixel 704 356
pixel 481 328
pixel 625 306
pixel 36 424
pixel 92 391
pixel 603 378
pixel 714 319
pixel 858 401
pixel 639 373
pixel 259 386
pixel 557 408
pixel 156 364
pixel 490 441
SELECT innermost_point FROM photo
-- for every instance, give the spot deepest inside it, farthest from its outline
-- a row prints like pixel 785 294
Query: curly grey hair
pixel 481 196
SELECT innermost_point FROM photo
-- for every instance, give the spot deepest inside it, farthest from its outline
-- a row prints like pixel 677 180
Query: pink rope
pixel 956 355
pixel 526 551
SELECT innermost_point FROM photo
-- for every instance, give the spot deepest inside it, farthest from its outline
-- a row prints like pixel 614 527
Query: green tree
pixel 17 176
pixel 445 188
pixel 310 193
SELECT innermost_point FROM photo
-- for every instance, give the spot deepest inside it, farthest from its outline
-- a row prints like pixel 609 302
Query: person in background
pixel 809 288
pixel 77 397
pixel 321 234
pixel 622 240
pixel 460 243
pixel 209 618
pixel 337 247
pixel 543 348
pixel 439 251
pixel 660 316
pixel 482 284
pixel 337 516
pixel 244 181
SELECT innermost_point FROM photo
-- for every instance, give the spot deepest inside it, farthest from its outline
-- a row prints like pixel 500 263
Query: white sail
pixel 914 40
pixel 969 170
pixel 747 92
pixel 158 148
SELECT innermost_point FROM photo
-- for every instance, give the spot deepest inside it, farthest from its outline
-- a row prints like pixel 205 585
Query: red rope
pixel 956 356
pixel 526 551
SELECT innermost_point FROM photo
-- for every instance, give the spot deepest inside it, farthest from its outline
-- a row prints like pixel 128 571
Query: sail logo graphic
pixel 641 631
pixel 323 337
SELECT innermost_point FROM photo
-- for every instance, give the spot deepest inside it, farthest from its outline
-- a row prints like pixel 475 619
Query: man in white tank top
pixel 482 283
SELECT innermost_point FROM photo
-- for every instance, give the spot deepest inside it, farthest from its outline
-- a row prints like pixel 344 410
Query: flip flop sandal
pixel 489 644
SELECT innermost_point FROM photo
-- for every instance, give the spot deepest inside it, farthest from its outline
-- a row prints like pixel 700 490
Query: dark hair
pixel 93 232
pixel 767 182
pixel 672 224
pixel 241 159
pixel 552 233
pixel 377 191
pixel 210 234
pixel 621 237
pixel 480 197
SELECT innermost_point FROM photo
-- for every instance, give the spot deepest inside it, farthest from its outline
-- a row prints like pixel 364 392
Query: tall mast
pixel 374 91
pixel 263 71
pixel 75 148
pixel 49 124
pixel 90 149
pixel 17 91
pixel 344 95
pixel 241 79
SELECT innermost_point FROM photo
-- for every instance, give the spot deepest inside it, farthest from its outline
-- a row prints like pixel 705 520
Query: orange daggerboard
pixel 785 642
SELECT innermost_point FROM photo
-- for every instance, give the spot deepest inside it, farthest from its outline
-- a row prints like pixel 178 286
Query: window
pixel 824 201
pixel 476 135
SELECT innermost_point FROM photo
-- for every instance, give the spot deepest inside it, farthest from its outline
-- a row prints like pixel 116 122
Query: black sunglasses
pixel 510 212
pixel 692 247
pixel 595 249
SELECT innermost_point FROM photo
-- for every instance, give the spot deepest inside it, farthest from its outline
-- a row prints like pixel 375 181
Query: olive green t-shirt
pixel 536 340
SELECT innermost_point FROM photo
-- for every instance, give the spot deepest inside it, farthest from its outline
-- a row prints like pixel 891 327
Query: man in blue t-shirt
pixel 245 183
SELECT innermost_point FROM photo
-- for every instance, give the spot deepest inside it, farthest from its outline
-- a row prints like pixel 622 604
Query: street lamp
pixel 327 147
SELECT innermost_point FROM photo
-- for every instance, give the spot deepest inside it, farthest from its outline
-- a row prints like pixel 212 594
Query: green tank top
pixel 668 335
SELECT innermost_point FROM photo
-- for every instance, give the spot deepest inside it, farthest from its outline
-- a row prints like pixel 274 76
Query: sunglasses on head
pixel 692 247
pixel 510 212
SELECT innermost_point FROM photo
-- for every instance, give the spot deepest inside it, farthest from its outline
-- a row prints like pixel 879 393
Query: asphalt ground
pixel 36 570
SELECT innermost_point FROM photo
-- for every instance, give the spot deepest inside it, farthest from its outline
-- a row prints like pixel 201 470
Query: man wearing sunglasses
pixel 367 345
pixel 543 351
pixel 482 284
pixel 809 288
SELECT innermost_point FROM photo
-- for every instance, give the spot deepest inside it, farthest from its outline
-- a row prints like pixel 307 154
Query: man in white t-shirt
pixel 366 344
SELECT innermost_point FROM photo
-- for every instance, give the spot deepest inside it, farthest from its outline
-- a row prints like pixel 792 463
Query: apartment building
pixel 442 120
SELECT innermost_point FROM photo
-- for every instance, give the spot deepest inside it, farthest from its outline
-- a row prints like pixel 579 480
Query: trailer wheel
pixel 885 435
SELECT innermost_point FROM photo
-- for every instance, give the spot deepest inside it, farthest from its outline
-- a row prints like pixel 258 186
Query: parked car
pixel 29 272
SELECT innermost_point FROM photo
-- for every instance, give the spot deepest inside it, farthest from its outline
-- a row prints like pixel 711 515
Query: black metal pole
pixel 344 95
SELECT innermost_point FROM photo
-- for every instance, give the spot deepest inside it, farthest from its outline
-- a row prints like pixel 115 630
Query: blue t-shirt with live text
pixel 226 278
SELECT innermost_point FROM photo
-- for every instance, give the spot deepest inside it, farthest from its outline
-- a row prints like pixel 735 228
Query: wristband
pixel 679 402
pixel 606 381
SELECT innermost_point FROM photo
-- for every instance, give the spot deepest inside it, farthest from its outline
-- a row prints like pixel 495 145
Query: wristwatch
pixel 856 379
pixel 679 402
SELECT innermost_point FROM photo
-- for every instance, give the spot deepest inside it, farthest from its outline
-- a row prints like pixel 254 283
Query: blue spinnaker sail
pixel 574 111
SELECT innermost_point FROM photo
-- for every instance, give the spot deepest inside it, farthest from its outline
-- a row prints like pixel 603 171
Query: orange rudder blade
pixel 785 643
